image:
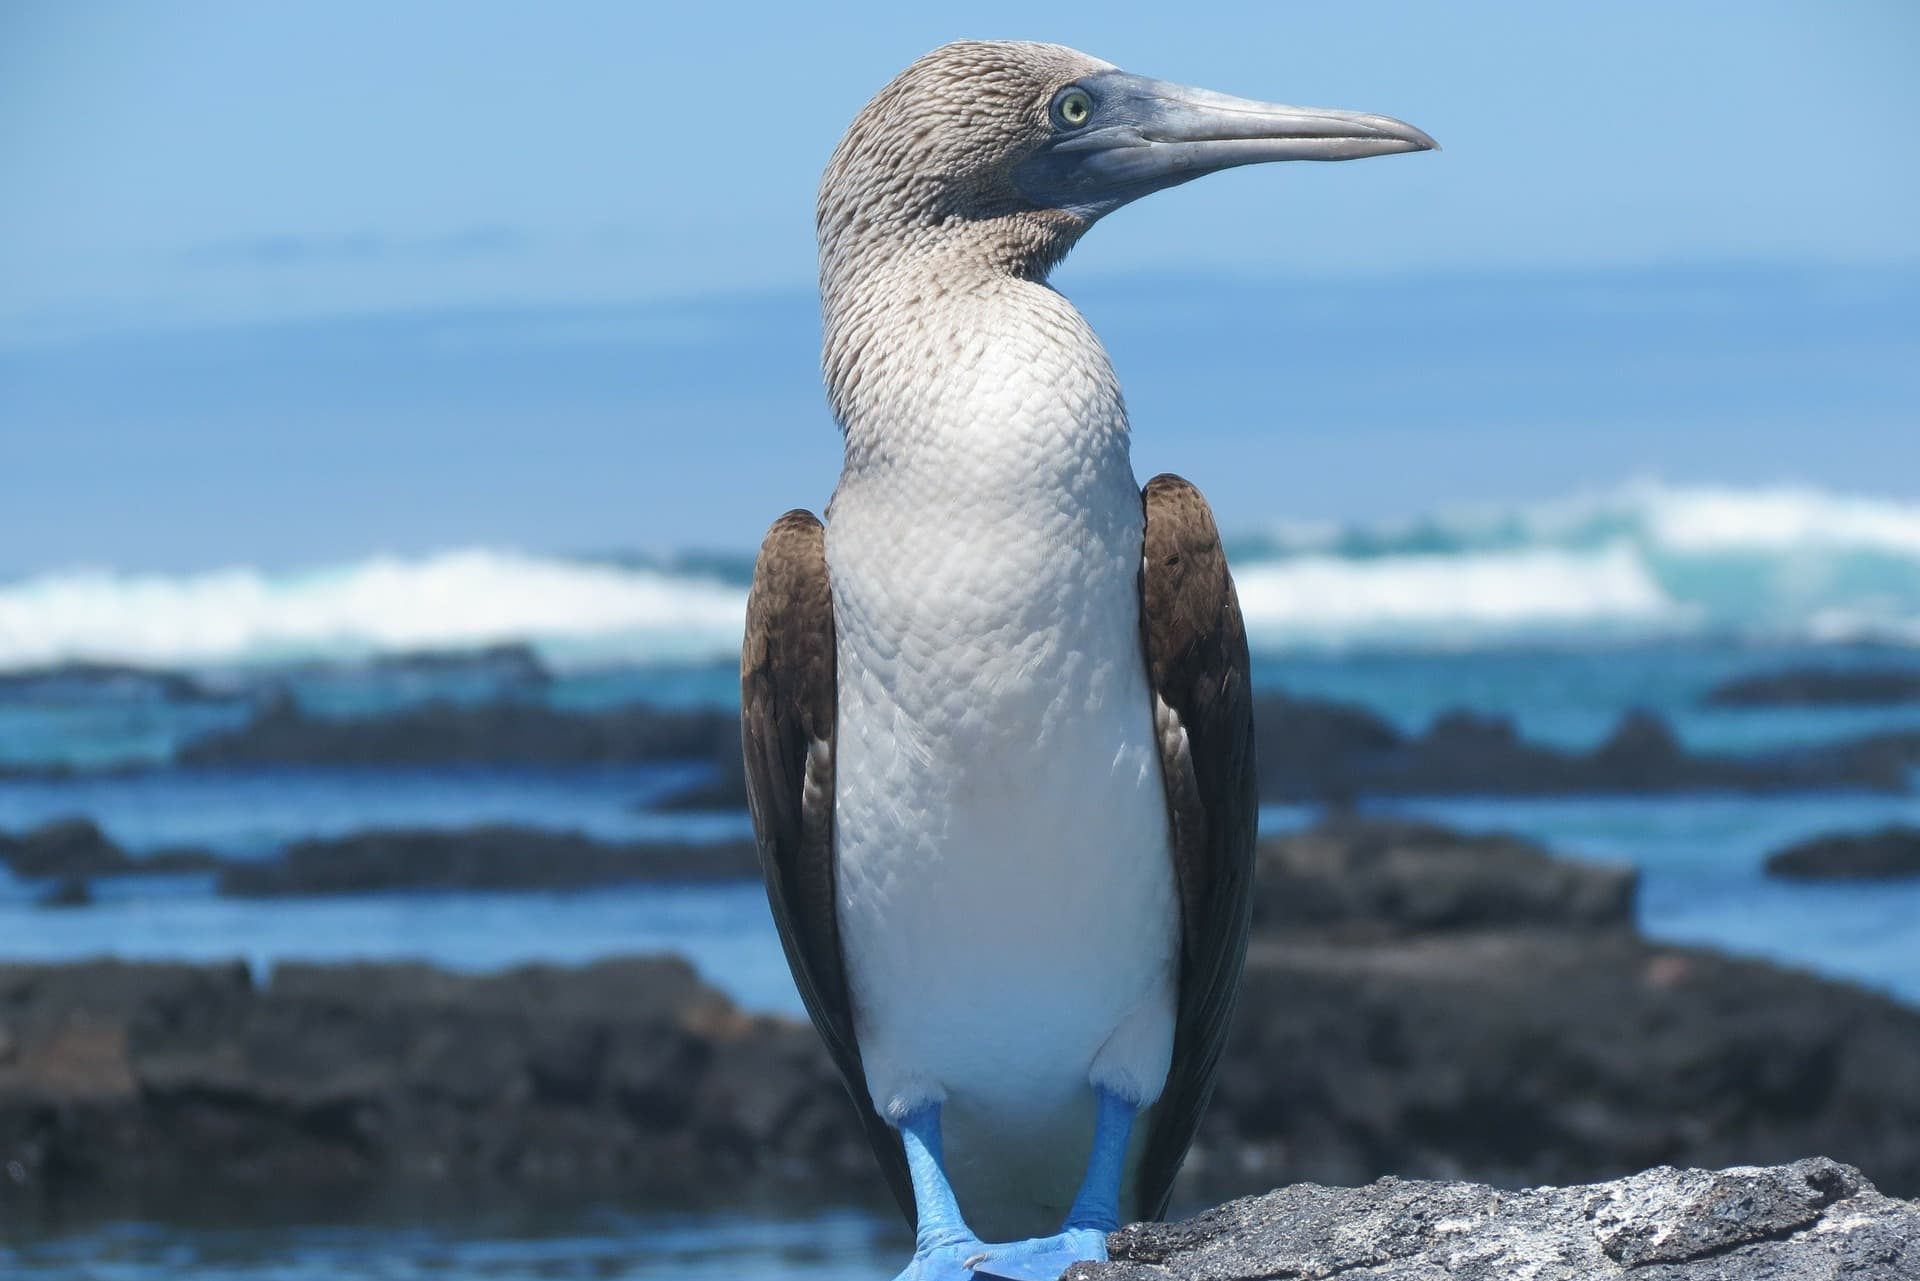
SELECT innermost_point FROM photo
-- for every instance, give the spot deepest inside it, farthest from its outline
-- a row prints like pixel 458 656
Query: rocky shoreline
pixel 1876 686
pixel 1418 1002
pixel 70 853
pixel 1887 853
pixel 1813 1218
pixel 1309 750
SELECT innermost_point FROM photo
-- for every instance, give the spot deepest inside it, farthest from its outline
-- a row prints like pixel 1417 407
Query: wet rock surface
pixel 1473 1024
pixel 1315 751
pixel 1891 852
pixel 493 857
pixel 1812 1218
pixel 447 733
pixel 1309 750
pixel 1390 876
pixel 75 849
pixel 630 1071
pixel 1820 687
pixel 70 852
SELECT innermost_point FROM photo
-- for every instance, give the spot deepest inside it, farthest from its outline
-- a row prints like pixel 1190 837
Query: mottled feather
pixel 787 711
pixel 1196 646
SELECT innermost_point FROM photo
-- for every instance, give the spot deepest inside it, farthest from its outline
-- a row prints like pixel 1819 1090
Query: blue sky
pixel 302 282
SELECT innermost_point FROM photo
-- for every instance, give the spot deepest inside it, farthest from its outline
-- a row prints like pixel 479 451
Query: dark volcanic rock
pixel 632 1071
pixel 1851 856
pixel 1820 687
pixel 68 847
pixel 443 733
pixel 76 848
pixel 1463 753
pixel 1813 1218
pixel 497 857
pixel 1529 1056
pixel 1401 877
pixel 1441 1012
pixel 1320 751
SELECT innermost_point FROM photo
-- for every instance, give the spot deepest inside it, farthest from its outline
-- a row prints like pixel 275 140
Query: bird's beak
pixel 1145 135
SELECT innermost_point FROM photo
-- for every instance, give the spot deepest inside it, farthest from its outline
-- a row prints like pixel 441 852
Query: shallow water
pixel 591 1243
pixel 1700 858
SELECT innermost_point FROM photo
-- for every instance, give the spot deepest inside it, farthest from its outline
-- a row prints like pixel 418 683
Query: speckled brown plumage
pixel 786 733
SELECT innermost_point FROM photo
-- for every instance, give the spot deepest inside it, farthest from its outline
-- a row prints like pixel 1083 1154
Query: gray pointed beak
pixel 1146 135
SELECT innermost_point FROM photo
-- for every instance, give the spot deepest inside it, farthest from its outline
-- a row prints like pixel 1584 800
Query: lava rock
pixel 1890 852
pixel 628 1073
pixel 1398 877
pixel 1813 1218
pixel 1820 687
pixel 76 849
pixel 446 733
pixel 1523 1056
pixel 67 848
pixel 488 857
pixel 1436 1022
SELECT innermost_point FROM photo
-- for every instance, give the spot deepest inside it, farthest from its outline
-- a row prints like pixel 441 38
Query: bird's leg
pixel 944 1247
pixel 1095 1211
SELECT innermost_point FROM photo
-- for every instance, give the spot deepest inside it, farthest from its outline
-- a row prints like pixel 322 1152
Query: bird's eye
pixel 1072 108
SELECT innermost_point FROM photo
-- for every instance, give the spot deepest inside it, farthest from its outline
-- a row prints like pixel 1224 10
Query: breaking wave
pixel 1644 560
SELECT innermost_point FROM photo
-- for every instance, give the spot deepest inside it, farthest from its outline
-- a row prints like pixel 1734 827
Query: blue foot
pixel 1043 1258
pixel 951 1260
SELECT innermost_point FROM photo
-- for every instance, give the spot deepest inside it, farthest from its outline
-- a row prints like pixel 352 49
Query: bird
pixel 995 709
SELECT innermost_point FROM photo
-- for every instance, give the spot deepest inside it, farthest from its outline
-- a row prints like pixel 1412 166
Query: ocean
pixel 1562 616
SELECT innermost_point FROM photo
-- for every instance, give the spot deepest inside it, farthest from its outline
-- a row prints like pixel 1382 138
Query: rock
pixel 1820 687
pixel 75 891
pixel 1396 877
pixel 76 849
pixel 1319 751
pixel 445 733
pixel 1451 1020
pixel 1813 1218
pixel 491 857
pixel 1893 851
pixel 68 847
pixel 1316 751
pixel 628 1073
pixel 1521 1056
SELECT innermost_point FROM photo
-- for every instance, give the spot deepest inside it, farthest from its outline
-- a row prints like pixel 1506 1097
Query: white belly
pixel 1006 897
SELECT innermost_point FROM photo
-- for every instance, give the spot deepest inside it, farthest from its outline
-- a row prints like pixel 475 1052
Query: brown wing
pixel 787 708
pixel 1203 716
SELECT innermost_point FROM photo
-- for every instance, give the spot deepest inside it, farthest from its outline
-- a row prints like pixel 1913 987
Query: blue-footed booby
pixel 996 712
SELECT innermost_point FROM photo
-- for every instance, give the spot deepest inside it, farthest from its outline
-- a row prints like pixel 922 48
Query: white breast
pixel 1006 900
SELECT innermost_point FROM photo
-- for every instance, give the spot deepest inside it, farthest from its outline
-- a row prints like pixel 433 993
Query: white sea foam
pixel 452 600
pixel 1463 595
pixel 1642 559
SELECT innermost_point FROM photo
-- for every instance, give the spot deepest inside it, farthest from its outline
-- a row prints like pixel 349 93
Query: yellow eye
pixel 1072 108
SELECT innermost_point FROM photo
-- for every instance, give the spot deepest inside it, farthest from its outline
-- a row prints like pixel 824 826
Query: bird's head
pixel 1037 141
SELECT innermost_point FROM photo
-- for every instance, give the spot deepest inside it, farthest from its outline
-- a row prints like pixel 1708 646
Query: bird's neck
pixel 950 347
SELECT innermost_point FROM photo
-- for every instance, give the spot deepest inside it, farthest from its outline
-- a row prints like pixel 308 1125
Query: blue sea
pixel 1562 615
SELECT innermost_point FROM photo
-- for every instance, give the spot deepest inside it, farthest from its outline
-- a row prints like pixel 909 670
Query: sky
pixel 303 282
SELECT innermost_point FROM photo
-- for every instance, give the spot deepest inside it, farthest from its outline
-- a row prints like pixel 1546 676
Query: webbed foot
pixel 950 1259
pixel 1041 1258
